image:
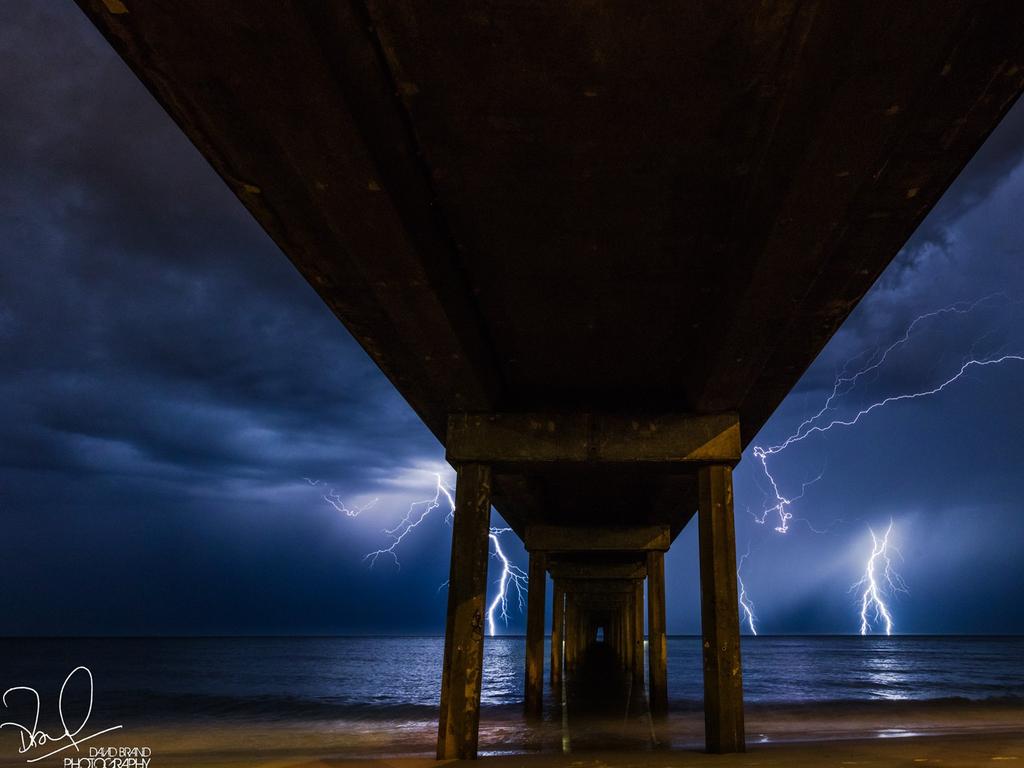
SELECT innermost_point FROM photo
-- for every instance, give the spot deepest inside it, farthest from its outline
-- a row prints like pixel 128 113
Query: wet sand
pixel 948 751
pixel 876 734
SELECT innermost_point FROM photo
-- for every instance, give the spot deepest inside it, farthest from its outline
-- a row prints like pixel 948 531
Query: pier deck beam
pixel 535 634
pixel 657 687
pixel 464 633
pixel 720 624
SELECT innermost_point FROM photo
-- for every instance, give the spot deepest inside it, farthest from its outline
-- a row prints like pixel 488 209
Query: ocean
pixel 390 686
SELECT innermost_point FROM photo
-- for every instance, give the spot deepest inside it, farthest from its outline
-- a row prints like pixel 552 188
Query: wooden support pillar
pixel 535 634
pixel 719 612
pixel 638 630
pixel 657 645
pixel 459 720
pixel 557 632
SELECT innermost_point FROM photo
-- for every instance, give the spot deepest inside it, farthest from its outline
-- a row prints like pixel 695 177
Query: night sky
pixel 169 380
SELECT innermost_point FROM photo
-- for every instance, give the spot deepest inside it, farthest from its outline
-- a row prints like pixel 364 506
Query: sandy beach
pixel 287 701
pixel 877 734
pixel 288 751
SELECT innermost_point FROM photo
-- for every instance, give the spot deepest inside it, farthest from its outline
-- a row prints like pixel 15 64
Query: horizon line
pixel 440 635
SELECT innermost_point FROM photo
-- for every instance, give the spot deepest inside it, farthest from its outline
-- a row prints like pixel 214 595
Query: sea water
pixel 391 684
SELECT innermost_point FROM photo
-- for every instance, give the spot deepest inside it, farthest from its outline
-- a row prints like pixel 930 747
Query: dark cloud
pixel 168 377
pixel 970 247
pixel 142 307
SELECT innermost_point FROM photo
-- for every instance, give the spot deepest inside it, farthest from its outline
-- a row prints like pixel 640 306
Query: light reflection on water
pixel 820 669
pixel 795 670
pixel 504 670
pixel 400 677
pixel 896 733
pixel 823 669
pixel 380 695
pixel 886 674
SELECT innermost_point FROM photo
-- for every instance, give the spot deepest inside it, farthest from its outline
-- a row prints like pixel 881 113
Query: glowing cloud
pixel 512 577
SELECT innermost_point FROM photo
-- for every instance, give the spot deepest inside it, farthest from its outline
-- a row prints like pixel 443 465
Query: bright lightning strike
pixel 781 505
pixel 512 576
pixel 973 363
pixel 843 384
pixel 778 504
pixel 879 579
pixel 416 514
pixel 332 498
pixel 745 604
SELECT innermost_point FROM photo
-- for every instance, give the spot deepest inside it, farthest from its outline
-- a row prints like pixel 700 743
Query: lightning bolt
pixel 875 584
pixel 418 512
pixel 511 578
pixel 745 604
pixel 779 504
pixel 972 363
pixel 332 498
pixel 844 383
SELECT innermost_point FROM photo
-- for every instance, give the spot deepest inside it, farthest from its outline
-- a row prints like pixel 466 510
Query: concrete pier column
pixel 657 644
pixel 557 631
pixel 459 720
pixel 719 612
pixel 535 634
pixel 638 630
